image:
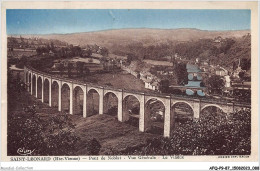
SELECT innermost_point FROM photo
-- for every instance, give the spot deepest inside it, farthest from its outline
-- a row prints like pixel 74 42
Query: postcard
pixel 129 81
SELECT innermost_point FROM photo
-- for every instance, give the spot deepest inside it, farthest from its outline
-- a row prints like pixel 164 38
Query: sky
pixel 61 21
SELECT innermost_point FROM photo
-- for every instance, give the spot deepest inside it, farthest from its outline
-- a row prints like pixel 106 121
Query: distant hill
pixel 219 47
pixel 124 37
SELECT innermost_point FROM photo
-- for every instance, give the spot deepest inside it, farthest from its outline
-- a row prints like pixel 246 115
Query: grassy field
pixel 118 79
pixel 85 60
pixel 154 62
pixel 19 53
pixel 110 133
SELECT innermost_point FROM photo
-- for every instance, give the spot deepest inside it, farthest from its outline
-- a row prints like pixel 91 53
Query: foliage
pixel 61 68
pixel 80 68
pixel 130 57
pixel 245 64
pixel 226 45
pixel 41 63
pixel 46 135
pixel 93 147
pixel 181 73
pixel 242 95
pixel 112 111
pixel 104 52
pixel 70 68
pixel 241 75
pixel 175 91
pixel 75 51
pixel 64 52
pixel 51 136
pixel 41 50
pixel 87 71
pixel 224 53
pixel 215 84
pixel 212 134
pixel 22 62
pixel 164 86
pixel 87 53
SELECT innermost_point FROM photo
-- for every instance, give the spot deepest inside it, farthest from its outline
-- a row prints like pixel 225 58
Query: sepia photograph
pixel 129 83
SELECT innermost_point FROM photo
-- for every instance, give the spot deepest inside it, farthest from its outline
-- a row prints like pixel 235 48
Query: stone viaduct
pixel 37 80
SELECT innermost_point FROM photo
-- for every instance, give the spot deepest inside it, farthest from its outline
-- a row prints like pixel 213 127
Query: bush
pixel 212 134
pixel 48 136
pixel 93 147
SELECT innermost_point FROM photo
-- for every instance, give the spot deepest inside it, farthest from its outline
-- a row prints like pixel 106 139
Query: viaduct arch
pixel 53 86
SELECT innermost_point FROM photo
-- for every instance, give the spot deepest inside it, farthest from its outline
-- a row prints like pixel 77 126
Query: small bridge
pixel 43 85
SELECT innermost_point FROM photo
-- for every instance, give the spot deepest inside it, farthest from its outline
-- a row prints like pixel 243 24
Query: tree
pixel 93 147
pixel 181 73
pixel 138 76
pixel 226 45
pixel 202 84
pixel 241 75
pixel 87 53
pixel 70 68
pixel 75 50
pixel 48 47
pixel 215 84
pixel 245 64
pixel 44 136
pixel 52 46
pixel 41 50
pixel 61 68
pixel 80 68
pixel 234 66
pixel 130 57
pixel 87 71
pixel 164 86
pixel 103 61
pixel 22 61
pixel 104 52
pixel 212 134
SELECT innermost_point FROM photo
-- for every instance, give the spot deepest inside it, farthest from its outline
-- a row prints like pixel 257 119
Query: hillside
pixel 223 53
pixel 219 47
pixel 123 37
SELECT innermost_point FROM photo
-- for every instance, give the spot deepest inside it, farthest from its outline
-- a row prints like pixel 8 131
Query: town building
pixel 151 84
pixel 221 71
pixel 227 81
pixel 238 70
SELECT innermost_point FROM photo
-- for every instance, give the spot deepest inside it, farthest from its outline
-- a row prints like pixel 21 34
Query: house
pixel 149 77
pixel 147 83
pixel 221 71
pixel 160 72
pixel 241 85
pixel 204 62
pixel 151 84
pixel 155 85
pixel 56 64
pixel 171 72
pixel 227 81
pixel 51 53
pixel 238 70
pixel 218 39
